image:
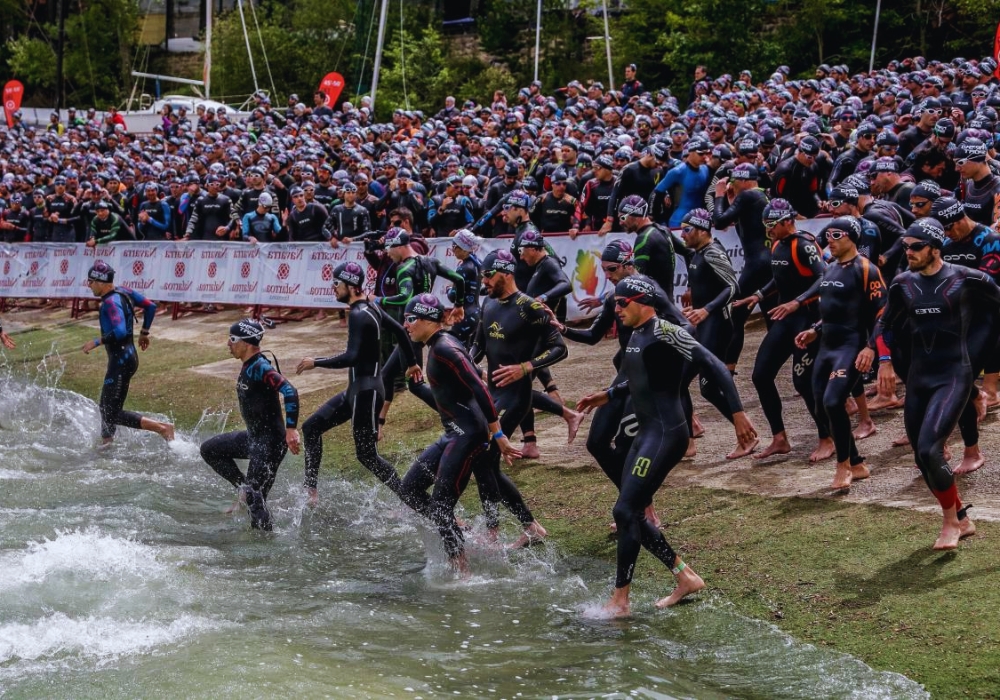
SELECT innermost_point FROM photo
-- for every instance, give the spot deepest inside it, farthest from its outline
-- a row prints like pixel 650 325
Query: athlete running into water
pixel 654 378
pixel 267 436
pixel 117 312
pixel 940 301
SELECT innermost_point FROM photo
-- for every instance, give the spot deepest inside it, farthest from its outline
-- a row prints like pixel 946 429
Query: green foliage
pixel 33 62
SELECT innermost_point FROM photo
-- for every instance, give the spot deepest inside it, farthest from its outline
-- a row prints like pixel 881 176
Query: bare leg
pixel 779 446
pixel 866 427
pixel 688 582
pixel 743 449
pixel 990 382
pixel 618 606
pixel 951 530
pixel 692 449
pixel 164 430
pixel 696 427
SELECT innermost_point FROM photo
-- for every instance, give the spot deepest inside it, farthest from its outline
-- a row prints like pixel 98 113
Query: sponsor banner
pixel 180 269
pixel 139 266
pixel 240 270
pixel 283 273
pixel 11 269
pixel 36 272
pixel 320 261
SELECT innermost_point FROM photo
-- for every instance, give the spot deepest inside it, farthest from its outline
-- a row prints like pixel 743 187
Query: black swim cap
pixel 928 230
pixel 426 306
pixel 850 225
pixel 638 288
pixel 247 330
pixel 617 252
pixel 349 273
pixel 100 271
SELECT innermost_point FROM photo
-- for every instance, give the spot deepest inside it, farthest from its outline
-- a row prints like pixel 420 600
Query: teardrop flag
pixel 331 86
pixel 996 53
pixel 13 91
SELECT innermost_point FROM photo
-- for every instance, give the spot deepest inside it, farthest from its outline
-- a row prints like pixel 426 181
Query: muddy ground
pixel 895 481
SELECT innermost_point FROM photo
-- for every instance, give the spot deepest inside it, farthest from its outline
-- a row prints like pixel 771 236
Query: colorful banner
pixel 13 92
pixel 996 52
pixel 331 86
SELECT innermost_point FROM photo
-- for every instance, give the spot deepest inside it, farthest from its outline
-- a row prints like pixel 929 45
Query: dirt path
pixel 895 481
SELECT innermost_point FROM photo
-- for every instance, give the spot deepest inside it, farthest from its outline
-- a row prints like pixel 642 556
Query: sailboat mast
pixel 207 77
pixel 378 49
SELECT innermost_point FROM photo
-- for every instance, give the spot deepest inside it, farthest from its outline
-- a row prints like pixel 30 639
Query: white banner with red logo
pixel 277 274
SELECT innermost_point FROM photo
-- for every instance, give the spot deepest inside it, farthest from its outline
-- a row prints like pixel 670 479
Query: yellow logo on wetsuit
pixel 641 467
pixel 496 331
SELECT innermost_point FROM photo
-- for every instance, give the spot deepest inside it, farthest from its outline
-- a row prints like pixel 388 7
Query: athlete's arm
pixel 598 329
pixel 404 285
pixel 724 271
pixel 457 281
pixel 402 338
pixel 272 379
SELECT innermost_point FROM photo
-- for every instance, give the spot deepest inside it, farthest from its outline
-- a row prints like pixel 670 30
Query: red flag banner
pixel 13 91
pixel 996 52
pixel 331 86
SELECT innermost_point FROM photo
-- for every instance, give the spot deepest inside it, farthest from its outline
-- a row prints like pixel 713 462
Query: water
pixel 120 577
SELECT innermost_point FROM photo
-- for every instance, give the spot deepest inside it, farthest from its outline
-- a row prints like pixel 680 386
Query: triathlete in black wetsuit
pixel 464 245
pixel 516 339
pixel 267 437
pixel 797 270
pixel 117 315
pixel 851 297
pixel 654 377
pixel 653 251
pixel 741 205
pixel 361 402
pixel 939 301
pixel 470 421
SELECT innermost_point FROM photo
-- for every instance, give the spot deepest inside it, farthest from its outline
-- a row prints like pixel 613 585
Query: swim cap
pixel 638 288
pixel 519 199
pixel 617 252
pixel 501 261
pixel 466 240
pixel 927 229
pixel 928 189
pixel 844 193
pixel 396 237
pixel 247 330
pixel 699 218
pixel 745 171
pixel 633 205
pixel 265 200
pixel 947 210
pixel 349 273
pixel 426 306
pixel 778 209
pixel 848 224
pixel 100 271
pixel 532 239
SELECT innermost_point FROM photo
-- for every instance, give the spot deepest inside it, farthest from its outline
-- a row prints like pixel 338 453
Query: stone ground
pixel 895 481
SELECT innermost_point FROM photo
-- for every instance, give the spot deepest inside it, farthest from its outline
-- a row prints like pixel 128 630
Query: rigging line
pixel 343 46
pixel 246 38
pixel 402 57
pixel 263 50
pixel 364 57
pixel 142 32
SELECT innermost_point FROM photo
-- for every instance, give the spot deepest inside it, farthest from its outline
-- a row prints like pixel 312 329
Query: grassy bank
pixel 859 579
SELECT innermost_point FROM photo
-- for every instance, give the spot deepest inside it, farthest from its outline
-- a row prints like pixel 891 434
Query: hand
pixel 881 261
pixel 54 218
pixel 686 297
pixel 221 231
pixel 782 310
pixel 143 342
pixel 305 364
pixel 605 229
pixel 415 374
pixel 292 440
pixel 334 243
pixel 590 303
pixel 88 346
pixel 749 301
pixel 886 379
pixel 745 432
pixel 720 186
pixel 252 240
pixel 508 374
pixel 446 201
pixel 7 341
pixel 91 242
pixel 695 316
pixel 455 316
pixel 508 451
pixel 591 401
pixel 804 338
pixel 863 363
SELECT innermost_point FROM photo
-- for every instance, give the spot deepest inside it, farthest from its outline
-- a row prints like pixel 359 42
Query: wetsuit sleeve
pixel 681 342
pixel 552 349
pixel 464 373
pixel 558 283
pixel 892 314
pixel 809 262
pixel 161 226
pixel 404 285
pixel 598 329
pixel 356 323
pixel 148 306
pixel 724 271
pixel 273 380
pixel 478 349
pixel 725 214
pixel 246 226
pixel 457 281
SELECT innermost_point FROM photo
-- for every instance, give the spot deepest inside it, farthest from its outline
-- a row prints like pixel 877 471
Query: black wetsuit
pixel 653 254
pixel 712 283
pixel 653 368
pixel 851 297
pixel 347 222
pixel 746 214
pixel 207 215
pixel 982 199
pixel 471 271
pixel 513 330
pixel 307 225
pixel 263 441
pixel 941 309
pixel 798 269
pixel 117 316
pixel 466 411
pixel 362 401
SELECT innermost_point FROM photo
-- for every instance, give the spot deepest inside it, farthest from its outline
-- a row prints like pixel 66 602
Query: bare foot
pixel 533 534
pixel 881 402
pixel 967 528
pixel 992 399
pixel 842 477
pixel 696 427
pixel 651 517
pixel 949 537
pixel 529 450
pixel 614 528
pixel 871 390
pixel 688 582
pixel 866 428
pixel 743 449
pixel 692 449
pixel 778 446
pixel 573 421
pixel 981 402
pixel 971 461
pixel 617 607
pixel 851 405
pixel 460 565
pixel 860 472
pixel 824 450
pixel 313 497
pixel 241 500
pixel 901 441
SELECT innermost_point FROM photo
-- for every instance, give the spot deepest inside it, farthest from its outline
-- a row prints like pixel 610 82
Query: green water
pixel 120 577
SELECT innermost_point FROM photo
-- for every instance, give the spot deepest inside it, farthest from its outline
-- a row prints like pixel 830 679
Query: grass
pixel 859 579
